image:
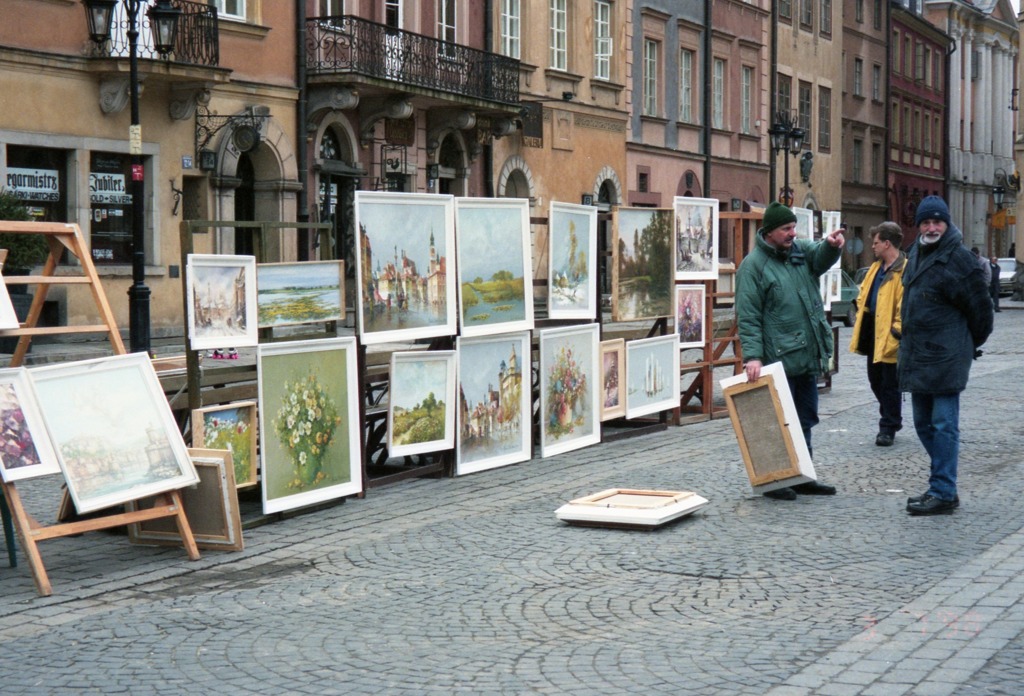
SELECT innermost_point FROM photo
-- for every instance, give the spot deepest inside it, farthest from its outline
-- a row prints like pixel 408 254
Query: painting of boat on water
pixel 300 293
pixel 495 279
pixel 652 375
pixel 642 273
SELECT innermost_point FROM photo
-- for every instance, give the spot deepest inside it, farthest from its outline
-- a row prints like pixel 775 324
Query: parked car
pixel 1007 267
pixel 844 310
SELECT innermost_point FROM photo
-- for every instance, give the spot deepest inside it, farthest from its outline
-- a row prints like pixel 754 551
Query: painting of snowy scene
pixel 421 416
pixel 406 287
pixel 570 392
pixel 495 277
pixel 696 238
pixel 221 301
pixel 652 375
pixel 493 402
pixel 572 241
pixel 642 269
pixel 300 292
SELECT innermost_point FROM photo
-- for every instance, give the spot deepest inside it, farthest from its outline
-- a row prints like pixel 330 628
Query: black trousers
pixel 884 381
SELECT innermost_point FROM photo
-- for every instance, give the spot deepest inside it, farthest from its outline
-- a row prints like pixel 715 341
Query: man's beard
pixel 930 237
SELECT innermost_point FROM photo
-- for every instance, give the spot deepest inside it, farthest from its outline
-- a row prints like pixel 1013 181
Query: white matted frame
pixel 572 261
pixel 232 427
pixel 405 245
pixel 570 390
pixel 211 507
pixel 804 223
pixel 652 375
pixel 642 272
pixel 25 447
pixel 768 430
pixel 494 421
pixel 613 367
pixel 310 435
pixel 300 292
pixel 420 384
pixel 690 307
pixel 221 301
pixel 495 270
pixel 696 242
pixel 114 434
pixel 8 317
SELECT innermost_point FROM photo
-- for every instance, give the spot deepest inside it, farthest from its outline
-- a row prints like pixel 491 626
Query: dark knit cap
pixel 932 208
pixel 776 215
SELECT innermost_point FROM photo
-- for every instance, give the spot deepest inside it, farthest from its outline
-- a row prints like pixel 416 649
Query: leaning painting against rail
pixel 300 292
pixel 642 273
pixel 652 375
pixel 696 238
pixel 421 412
pixel 570 393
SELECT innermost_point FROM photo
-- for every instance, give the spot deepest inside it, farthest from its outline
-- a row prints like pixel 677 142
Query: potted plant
pixel 23 250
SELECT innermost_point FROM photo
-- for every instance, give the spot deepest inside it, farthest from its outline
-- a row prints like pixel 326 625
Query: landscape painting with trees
pixel 421 417
pixel 642 273
pixel 572 241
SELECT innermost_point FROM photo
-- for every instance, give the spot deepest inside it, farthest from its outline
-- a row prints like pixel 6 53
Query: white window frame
pixel 446 25
pixel 876 82
pixel 746 98
pixel 397 6
pixel 602 40
pixel 686 58
pixel 858 77
pixel 332 8
pixel 239 7
pixel 650 76
pixel 857 161
pixel 558 39
pixel 511 26
pixel 718 93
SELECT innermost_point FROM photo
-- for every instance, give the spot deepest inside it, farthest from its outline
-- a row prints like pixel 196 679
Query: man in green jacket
pixel 781 317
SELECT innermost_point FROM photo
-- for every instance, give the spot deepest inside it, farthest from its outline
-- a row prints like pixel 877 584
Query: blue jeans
pixel 937 421
pixel 804 389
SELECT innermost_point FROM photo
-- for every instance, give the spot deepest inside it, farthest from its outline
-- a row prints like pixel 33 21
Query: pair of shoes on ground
pixel 930 505
pixel 229 354
pixel 884 439
pixel 809 488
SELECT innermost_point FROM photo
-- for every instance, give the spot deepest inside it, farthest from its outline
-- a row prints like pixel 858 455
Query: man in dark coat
pixel 947 316
pixel 993 285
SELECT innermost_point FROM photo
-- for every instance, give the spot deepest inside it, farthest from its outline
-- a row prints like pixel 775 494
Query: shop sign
pixel 34 184
pixel 108 188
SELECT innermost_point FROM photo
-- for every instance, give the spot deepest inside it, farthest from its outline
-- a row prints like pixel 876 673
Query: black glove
pixel 977 353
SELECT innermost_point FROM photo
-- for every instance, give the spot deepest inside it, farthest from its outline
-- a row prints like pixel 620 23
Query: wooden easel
pixel 63 237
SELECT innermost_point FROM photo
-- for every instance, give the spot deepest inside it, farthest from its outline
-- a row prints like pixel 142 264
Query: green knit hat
pixel 776 215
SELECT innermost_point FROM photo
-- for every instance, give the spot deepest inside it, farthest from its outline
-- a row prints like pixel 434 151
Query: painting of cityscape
pixel 494 426
pixel 572 261
pixel 652 375
pixel 690 300
pixel 642 275
pixel 221 301
pixel 495 278
pixel 300 292
pixel 115 437
pixel 309 422
pixel 696 238
pixel 421 413
pixel 570 395
pixel 25 449
pixel 406 288
pixel 613 360
pixel 229 427
pixel 804 223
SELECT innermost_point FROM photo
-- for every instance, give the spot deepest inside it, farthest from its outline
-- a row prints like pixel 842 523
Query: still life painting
pixel 696 229
pixel 613 361
pixel 25 449
pixel 229 427
pixel 421 406
pixel 569 389
pixel 572 261
pixel 642 274
pixel 690 301
pixel 300 292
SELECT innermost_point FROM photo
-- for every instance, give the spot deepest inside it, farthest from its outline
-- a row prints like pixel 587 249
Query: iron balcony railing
pixel 198 42
pixel 351 45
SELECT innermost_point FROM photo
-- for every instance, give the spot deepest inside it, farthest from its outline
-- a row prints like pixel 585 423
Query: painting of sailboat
pixel 652 375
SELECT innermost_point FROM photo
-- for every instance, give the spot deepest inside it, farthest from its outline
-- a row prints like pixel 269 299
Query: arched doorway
pixel 245 205
pixel 338 182
pixel 452 165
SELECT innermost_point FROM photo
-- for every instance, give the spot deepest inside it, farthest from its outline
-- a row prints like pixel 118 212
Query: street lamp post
pixel 163 18
pixel 786 136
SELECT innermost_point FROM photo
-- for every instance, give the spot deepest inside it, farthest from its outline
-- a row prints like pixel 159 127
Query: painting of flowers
pixel 690 301
pixel 696 238
pixel 613 360
pixel 405 245
pixel 221 301
pixel 572 258
pixel 493 402
pixel 642 273
pixel 230 427
pixel 652 375
pixel 25 449
pixel 309 422
pixel 421 416
pixel 495 278
pixel 569 389
pixel 112 429
pixel 301 292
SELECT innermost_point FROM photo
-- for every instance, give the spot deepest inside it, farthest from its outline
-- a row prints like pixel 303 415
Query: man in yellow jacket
pixel 876 332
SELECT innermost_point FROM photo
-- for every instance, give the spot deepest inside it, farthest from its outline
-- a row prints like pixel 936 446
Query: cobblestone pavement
pixel 471 585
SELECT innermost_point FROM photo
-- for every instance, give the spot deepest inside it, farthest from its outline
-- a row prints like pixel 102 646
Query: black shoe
pixel 814 488
pixel 932 506
pixel 781 494
pixel 920 498
pixel 884 440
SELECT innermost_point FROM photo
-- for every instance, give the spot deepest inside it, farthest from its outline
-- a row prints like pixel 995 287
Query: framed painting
pixel 229 427
pixel 613 360
pixel 211 507
pixel 495 276
pixel 696 238
pixel 494 426
pixel 642 275
pixel 421 407
pixel 309 422
pixel 652 375
pixel 804 223
pixel 406 288
pixel 768 430
pixel 115 437
pixel 8 317
pixel 25 448
pixel 572 261
pixel 690 307
pixel 221 301
pixel 300 293
pixel 570 398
